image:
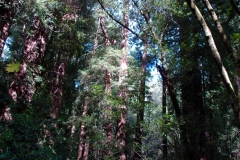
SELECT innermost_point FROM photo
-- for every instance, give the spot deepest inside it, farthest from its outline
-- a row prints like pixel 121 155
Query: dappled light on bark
pixel 33 55
pixel 56 89
pixel 100 79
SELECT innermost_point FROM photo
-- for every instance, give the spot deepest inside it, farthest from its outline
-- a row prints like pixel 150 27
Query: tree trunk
pixel 219 28
pixel 164 109
pixel 223 73
pixel 191 96
pixel 121 122
pixel 140 109
pixel 56 88
pixel 228 47
pixel 6 16
pixel 107 108
pixel 86 148
pixel 81 151
pixel 21 89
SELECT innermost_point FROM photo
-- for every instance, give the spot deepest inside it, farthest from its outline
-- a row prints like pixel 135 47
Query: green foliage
pixel 31 133
pixel 13 67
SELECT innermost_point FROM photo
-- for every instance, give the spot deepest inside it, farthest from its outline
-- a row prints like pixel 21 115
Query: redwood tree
pixel 121 122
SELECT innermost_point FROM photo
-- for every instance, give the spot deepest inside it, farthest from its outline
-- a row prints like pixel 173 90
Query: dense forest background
pixel 76 79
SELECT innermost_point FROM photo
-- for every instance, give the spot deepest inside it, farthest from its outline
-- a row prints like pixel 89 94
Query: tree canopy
pixel 127 79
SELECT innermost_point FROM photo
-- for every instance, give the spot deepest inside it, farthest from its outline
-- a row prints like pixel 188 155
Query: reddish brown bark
pixel 21 89
pixel 6 16
pixel 86 148
pixel 5 114
pixel 56 88
pixel 121 122
pixel 82 133
pixel 108 109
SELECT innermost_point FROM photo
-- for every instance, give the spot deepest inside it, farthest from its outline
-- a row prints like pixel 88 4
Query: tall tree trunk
pixel 86 148
pixel 82 132
pixel 21 89
pixel 164 72
pixel 140 109
pixel 56 88
pixel 6 16
pixel 215 54
pixel 191 97
pixel 121 122
pixel 164 109
pixel 83 147
pixel 219 27
pixel 193 114
pixel 228 47
pixel 107 108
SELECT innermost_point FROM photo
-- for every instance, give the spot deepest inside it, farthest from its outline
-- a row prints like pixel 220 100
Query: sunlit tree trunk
pixel 83 147
pixel 108 77
pixel 122 109
pixel 235 58
pixel 56 88
pixel 6 16
pixel 107 125
pixel 215 54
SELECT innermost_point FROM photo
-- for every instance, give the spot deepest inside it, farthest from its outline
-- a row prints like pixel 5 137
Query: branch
pixel 117 21
pixel 219 28
pixel 216 56
pixel 165 76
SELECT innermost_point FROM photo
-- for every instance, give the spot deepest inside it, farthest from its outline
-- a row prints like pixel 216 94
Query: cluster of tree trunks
pixel 191 115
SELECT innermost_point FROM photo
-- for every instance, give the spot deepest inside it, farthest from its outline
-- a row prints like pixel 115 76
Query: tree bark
pixel 108 108
pixel 216 56
pixel 81 152
pixel 21 89
pixel 56 88
pixel 164 111
pixel 164 72
pixel 122 120
pixel 219 28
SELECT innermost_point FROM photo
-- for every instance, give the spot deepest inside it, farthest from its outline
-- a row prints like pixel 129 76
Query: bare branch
pixel 117 21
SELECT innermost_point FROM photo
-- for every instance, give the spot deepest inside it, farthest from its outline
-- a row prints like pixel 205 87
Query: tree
pixel 121 122
pixel 7 14
pixel 75 79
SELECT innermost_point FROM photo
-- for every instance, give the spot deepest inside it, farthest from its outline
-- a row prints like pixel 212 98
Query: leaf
pixel 13 67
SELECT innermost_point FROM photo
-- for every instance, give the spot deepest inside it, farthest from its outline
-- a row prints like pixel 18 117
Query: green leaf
pixel 12 67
